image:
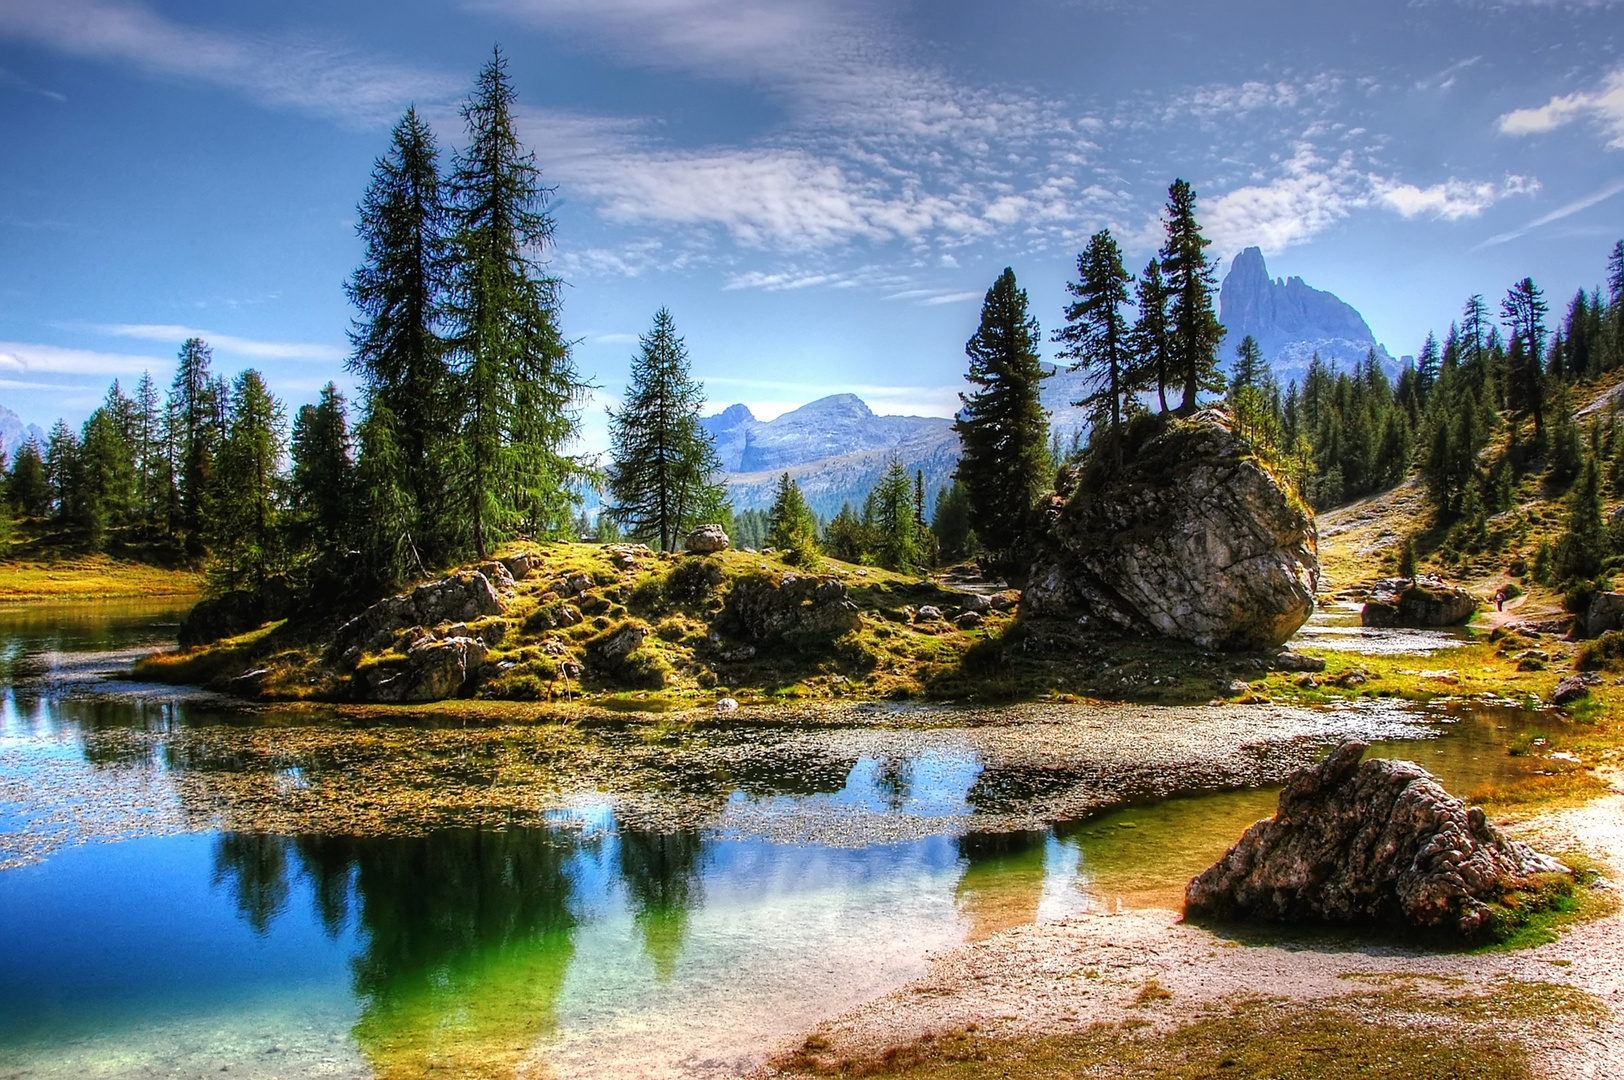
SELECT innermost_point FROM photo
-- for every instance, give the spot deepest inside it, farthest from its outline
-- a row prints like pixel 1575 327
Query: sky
pixel 821 191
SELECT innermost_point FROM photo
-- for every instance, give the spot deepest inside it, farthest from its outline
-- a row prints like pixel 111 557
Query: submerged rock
pixel 1425 601
pixel 1192 537
pixel 1373 841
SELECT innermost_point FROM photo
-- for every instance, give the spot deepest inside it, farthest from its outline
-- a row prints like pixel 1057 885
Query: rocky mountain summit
pixel 1192 537
pixel 13 433
pixel 1292 320
pixel 836 448
pixel 1374 841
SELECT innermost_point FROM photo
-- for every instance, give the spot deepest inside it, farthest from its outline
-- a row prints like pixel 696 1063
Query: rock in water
pixel 1425 601
pixel 1378 841
pixel 706 539
pixel 1193 537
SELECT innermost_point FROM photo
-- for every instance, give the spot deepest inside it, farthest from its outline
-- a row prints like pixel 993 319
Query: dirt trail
pixel 1063 976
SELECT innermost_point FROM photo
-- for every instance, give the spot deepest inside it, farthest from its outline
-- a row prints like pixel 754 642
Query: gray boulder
pixel 1425 601
pixel 706 539
pixel 462 597
pixel 1378 841
pixel 1192 537
pixel 519 565
pixel 764 609
pixel 1606 613
pixel 433 670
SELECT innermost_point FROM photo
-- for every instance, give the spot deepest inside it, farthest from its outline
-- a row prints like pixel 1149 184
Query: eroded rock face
pixel 1425 601
pixel 1378 841
pixel 764 609
pixel 706 539
pixel 1191 538
pixel 434 669
pixel 462 597
pixel 1606 613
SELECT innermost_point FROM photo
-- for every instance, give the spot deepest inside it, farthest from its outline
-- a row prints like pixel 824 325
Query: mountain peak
pixel 1291 320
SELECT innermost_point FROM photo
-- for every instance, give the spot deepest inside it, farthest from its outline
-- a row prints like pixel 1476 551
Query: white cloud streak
pixel 1603 105
pixel 1567 210
pixel 239 346
pixel 21 358
pixel 310 76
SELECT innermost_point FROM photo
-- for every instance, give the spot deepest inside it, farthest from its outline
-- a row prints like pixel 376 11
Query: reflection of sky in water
pixel 586 946
pixel 1337 629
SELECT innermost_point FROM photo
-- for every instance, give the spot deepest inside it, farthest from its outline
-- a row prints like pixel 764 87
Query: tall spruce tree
pixel 28 487
pixel 664 468
pixel 521 395
pixel 400 353
pixel 1194 329
pixel 1002 427
pixel 321 484
pixel 194 399
pixel 891 516
pixel 148 447
pixel 1096 337
pixel 244 503
pixel 1524 311
pixel 1152 342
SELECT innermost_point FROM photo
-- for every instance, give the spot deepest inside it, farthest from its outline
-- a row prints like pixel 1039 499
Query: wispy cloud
pixel 1567 210
pixel 1452 199
pixel 17 82
pixel 24 358
pixel 240 346
pixel 1603 105
pixel 312 76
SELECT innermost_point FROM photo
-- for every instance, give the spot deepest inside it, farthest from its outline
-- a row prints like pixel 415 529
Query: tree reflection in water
pixel 468 934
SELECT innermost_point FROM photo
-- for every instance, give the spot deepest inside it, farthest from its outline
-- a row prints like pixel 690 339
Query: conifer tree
pixel 99 490
pixel 320 487
pixel 384 519
pixel 194 397
pixel 1194 329
pixel 520 392
pixel 1095 336
pixel 150 461
pixel 791 527
pixel 951 524
pixel 400 353
pixel 1579 553
pixel 1524 312
pixel 1152 343
pixel 663 475
pixel 61 446
pixel 28 487
pixel 244 501
pixel 891 514
pixel 1427 366
pixel 1002 427
pixel 847 537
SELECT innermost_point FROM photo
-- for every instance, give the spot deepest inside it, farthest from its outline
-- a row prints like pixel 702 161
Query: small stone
pixel 969 620
pixel 1573 688
pixel 928 613
pixel 726 704
pixel 1290 661
pixel 706 539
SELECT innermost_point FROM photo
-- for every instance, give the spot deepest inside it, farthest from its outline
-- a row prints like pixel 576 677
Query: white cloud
pixel 311 76
pixel 1604 105
pixel 1452 199
pixel 23 358
pixel 954 298
pixel 240 346
pixel 1567 210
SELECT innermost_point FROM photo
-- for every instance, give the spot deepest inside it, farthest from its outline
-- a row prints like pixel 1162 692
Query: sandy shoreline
pixel 1061 977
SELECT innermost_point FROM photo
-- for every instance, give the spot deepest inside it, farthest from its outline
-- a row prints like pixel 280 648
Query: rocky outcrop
pixel 235 613
pixel 763 609
pixel 433 669
pixel 706 539
pixel 1606 612
pixel 1425 601
pixel 462 597
pixel 1374 841
pixel 1192 537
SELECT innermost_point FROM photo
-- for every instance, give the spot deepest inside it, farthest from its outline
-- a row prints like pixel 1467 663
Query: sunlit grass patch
pixel 92 577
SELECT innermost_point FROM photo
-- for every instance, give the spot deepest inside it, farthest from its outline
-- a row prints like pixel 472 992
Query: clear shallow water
pixel 583 942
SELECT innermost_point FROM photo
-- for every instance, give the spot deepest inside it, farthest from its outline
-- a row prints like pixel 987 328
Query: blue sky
pixel 820 190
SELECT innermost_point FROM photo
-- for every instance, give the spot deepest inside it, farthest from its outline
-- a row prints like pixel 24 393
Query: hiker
pixel 1499 599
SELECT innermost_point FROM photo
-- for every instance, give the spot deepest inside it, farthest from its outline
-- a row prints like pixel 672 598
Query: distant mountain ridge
pixel 836 449
pixel 13 433
pixel 1291 321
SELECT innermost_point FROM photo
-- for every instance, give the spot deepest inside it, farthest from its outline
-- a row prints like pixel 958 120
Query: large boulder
pixel 706 539
pixel 433 670
pixel 763 608
pixel 1606 612
pixel 1192 537
pixel 1373 841
pixel 462 597
pixel 1424 601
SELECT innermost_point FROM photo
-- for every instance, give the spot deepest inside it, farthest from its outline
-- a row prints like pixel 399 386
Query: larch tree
pixel 1194 329
pixel 1152 343
pixel 521 395
pixel 791 526
pixel 244 503
pixel 1096 337
pixel 400 352
pixel 194 399
pixel 1523 312
pixel 663 471
pixel 1002 426
pixel 321 483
